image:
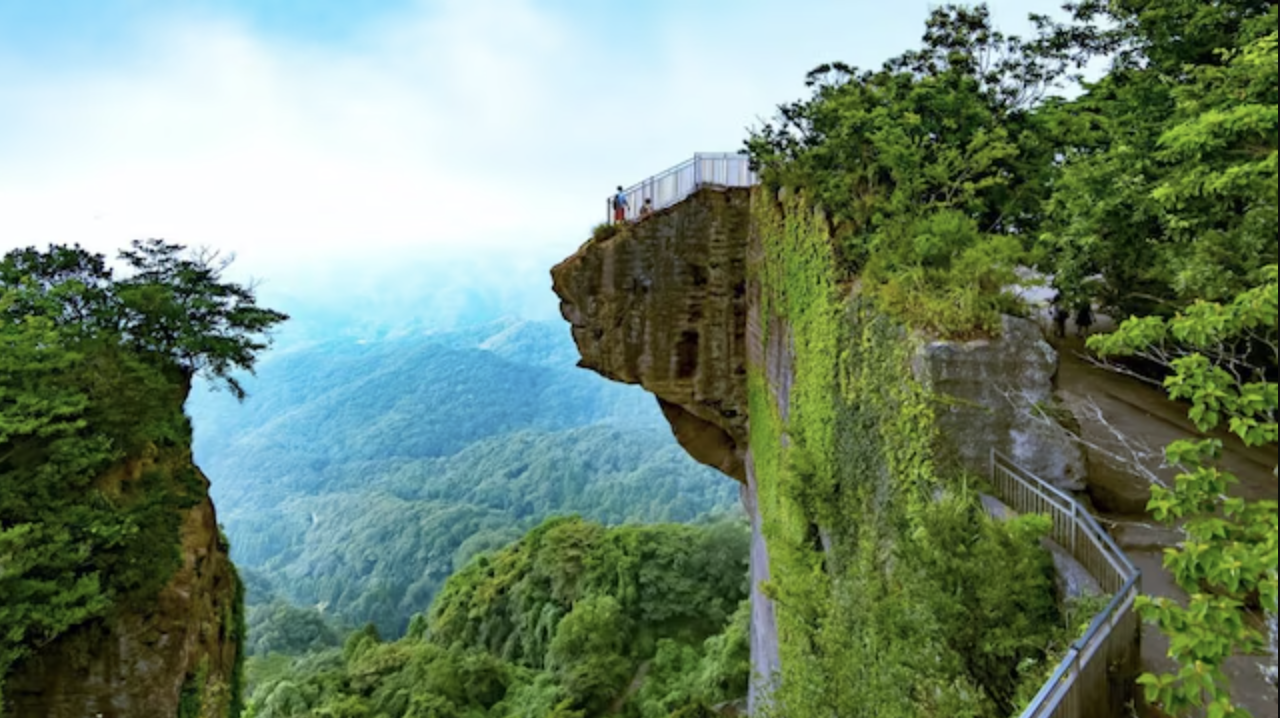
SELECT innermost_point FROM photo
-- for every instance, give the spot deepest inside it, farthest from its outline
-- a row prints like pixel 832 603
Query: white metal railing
pixel 727 169
pixel 1097 676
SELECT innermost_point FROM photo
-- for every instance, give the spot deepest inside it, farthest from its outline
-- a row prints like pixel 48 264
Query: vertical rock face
pixel 772 352
pixel 178 650
pixel 663 304
pixel 991 387
pixel 764 623
pixel 666 303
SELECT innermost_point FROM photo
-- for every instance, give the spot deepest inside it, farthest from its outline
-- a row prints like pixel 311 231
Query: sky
pixel 388 157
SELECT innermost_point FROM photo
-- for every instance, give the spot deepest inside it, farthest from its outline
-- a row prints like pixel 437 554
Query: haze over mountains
pixel 361 473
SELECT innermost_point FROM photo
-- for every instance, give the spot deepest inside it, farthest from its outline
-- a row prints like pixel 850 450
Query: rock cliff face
pixel 992 384
pixel 175 656
pixel 663 304
pixel 667 303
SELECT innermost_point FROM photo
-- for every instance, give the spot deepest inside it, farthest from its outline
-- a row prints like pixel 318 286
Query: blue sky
pixel 348 149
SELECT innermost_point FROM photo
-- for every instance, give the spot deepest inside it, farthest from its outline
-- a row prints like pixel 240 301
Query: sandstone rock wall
pixel 663 304
pixel 666 304
pixel 991 387
pixel 137 662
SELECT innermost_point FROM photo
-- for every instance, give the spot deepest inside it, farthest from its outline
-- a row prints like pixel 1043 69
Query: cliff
pixel 174 652
pixel 731 309
pixel 991 383
pixel 663 304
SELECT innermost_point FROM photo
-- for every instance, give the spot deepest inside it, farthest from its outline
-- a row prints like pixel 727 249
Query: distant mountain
pixel 358 474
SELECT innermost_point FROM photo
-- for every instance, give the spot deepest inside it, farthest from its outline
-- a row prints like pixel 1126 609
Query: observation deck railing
pixel 726 169
pixel 1096 678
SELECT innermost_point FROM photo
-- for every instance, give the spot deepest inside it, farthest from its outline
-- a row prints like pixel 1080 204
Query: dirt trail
pixel 1143 413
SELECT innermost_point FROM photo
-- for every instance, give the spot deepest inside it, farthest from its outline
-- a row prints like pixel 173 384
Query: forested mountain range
pixel 358 475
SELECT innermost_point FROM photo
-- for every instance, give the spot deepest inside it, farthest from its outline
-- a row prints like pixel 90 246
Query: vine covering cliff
pixel 841 459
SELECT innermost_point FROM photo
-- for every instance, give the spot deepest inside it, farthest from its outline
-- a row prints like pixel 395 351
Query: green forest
pixel 573 620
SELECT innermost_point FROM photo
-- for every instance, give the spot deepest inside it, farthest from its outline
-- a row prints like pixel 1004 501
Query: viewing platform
pixel 724 169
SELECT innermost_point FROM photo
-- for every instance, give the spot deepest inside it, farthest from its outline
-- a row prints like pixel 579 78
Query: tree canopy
pixel 173 305
pixel 573 620
pixel 955 162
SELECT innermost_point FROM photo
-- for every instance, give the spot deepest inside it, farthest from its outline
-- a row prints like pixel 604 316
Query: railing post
pixel 1074 525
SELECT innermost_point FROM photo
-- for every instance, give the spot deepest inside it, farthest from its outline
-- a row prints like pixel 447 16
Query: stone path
pixel 1119 496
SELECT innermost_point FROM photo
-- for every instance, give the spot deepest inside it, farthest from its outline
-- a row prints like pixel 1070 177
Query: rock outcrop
pixel 992 389
pixel 177 650
pixel 667 303
pixel 662 304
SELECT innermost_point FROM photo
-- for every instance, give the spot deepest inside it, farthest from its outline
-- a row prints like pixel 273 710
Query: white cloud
pixel 209 134
pixel 454 128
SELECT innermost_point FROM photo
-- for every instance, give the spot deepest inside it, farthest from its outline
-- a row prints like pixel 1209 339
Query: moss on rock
pixel 877 555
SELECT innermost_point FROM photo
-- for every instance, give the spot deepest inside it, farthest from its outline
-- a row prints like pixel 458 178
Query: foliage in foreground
pixel 1227 561
pixel 1166 189
pixel 573 620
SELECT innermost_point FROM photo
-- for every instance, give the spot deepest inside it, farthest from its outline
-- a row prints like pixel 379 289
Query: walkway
pixel 1095 679
pixel 1144 413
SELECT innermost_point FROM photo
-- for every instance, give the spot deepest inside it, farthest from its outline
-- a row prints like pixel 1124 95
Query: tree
pixel 1165 190
pixel 932 169
pixel 35 400
pixel 69 285
pixel 176 305
pixel 1227 562
pixel 173 307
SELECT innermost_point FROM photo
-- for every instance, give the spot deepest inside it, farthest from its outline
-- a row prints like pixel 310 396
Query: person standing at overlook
pixel 620 206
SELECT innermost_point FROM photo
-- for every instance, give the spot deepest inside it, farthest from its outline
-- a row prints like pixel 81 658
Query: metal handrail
pixel 726 169
pixel 1057 692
